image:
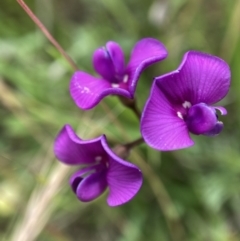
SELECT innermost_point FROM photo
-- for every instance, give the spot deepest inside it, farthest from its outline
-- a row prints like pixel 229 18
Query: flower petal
pixel 124 179
pixel 79 175
pixel 103 64
pixel 92 186
pixel 216 129
pixel 124 182
pixel 70 149
pixel 117 56
pixel 222 110
pixel 201 78
pixel 87 91
pixel 109 62
pixel 146 52
pixel 201 119
pixel 163 127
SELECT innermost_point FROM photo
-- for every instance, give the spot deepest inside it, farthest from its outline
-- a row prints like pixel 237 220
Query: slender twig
pixel 47 34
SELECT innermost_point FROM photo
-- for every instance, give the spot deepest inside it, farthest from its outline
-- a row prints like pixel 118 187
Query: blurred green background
pixel 187 195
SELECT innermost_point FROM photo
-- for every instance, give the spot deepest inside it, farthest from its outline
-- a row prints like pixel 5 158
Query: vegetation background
pixel 187 195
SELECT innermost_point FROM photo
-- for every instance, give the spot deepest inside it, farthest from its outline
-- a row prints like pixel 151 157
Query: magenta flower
pixel 115 78
pixel 180 102
pixel 102 168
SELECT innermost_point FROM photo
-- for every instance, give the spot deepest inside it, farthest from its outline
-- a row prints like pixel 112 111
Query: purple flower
pixel 115 78
pixel 180 102
pixel 102 168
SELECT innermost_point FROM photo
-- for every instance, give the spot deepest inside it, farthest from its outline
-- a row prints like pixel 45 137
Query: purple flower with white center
pixel 102 168
pixel 180 102
pixel 115 78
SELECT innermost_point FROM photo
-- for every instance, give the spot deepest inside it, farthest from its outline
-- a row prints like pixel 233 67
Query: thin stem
pixel 132 144
pixel 47 34
pixel 131 104
pixel 123 150
pixel 136 111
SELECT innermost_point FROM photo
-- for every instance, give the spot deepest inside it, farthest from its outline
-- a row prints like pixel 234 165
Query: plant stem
pixel 123 150
pixel 131 104
pixel 134 143
pixel 47 34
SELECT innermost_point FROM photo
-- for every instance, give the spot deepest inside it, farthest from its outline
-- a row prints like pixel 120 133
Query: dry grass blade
pixel 38 208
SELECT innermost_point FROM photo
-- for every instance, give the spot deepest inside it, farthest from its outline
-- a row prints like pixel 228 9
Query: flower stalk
pixel 123 150
pixel 132 105
pixel 134 143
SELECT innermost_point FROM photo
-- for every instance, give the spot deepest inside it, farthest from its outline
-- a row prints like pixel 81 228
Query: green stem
pixel 123 150
pixel 134 143
pixel 131 104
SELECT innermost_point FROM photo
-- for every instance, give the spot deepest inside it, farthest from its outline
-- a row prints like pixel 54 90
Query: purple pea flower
pixel 102 168
pixel 115 78
pixel 180 102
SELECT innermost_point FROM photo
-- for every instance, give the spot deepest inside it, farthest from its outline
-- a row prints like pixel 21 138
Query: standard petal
pixel 87 91
pixel 146 52
pixel 200 78
pixel 124 179
pixel 70 149
pixel 162 126
pixel 117 56
pixel 92 186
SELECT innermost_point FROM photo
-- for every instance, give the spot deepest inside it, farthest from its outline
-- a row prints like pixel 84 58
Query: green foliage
pixel 190 195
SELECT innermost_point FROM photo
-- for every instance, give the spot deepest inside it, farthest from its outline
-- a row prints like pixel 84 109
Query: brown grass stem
pixel 47 34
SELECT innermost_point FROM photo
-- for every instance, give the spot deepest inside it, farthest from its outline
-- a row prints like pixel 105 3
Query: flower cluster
pixel 181 102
